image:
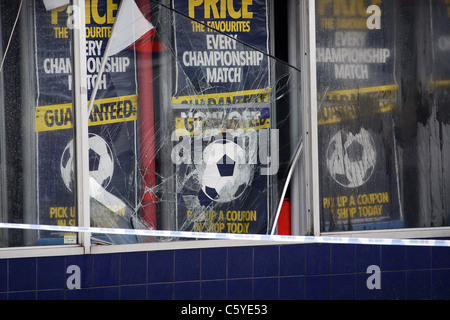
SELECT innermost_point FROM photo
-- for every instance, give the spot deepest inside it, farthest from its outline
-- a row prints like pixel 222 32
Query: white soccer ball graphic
pixel 101 162
pixel 351 159
pixel 224 174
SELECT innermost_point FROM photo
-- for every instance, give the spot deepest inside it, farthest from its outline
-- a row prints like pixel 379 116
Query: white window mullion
pixel 81 119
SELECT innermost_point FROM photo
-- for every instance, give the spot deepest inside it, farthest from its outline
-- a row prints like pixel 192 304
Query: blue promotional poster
pixel 222 116
pixel 357 93
pixel 112 123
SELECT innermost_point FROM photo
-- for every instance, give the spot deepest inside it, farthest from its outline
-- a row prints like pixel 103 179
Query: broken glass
pixel 188 122
pixel 197 137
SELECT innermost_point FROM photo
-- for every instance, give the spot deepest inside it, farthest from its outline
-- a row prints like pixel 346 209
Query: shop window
pixel 209 148
pixel 189 120
pixel 34 100
pixel 383 81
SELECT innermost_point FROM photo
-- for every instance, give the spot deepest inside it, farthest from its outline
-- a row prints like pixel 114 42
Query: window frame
pixel 80 98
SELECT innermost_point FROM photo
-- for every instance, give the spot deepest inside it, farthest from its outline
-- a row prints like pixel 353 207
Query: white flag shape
pixel 129 27
pixel 107 199
pixel 53 4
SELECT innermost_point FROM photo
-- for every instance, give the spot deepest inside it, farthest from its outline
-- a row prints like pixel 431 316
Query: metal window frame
pixel 309 101
pixel 305 213
pixel 80 100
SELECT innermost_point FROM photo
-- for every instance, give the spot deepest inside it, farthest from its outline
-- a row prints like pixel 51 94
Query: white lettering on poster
pixel 351 53
pixel 64 19
pixel 223 61
pixel 93 63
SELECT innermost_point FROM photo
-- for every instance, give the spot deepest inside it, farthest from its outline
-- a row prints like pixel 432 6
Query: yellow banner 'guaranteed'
pixel 105 111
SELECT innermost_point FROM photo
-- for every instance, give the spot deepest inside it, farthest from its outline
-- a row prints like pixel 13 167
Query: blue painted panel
pixel 284 272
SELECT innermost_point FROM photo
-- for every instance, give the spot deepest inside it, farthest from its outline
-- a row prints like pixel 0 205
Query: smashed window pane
pixel 193 123
pixel 188 120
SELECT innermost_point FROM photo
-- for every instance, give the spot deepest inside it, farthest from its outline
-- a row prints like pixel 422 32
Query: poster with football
pixel 222 114
pixel 357 94
pixel 112 123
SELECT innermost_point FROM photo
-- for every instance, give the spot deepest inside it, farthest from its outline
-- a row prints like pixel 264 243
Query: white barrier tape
pixel 231 236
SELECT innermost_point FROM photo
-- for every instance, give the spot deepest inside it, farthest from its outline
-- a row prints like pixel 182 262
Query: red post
pixel 146 124
pixel 284 220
